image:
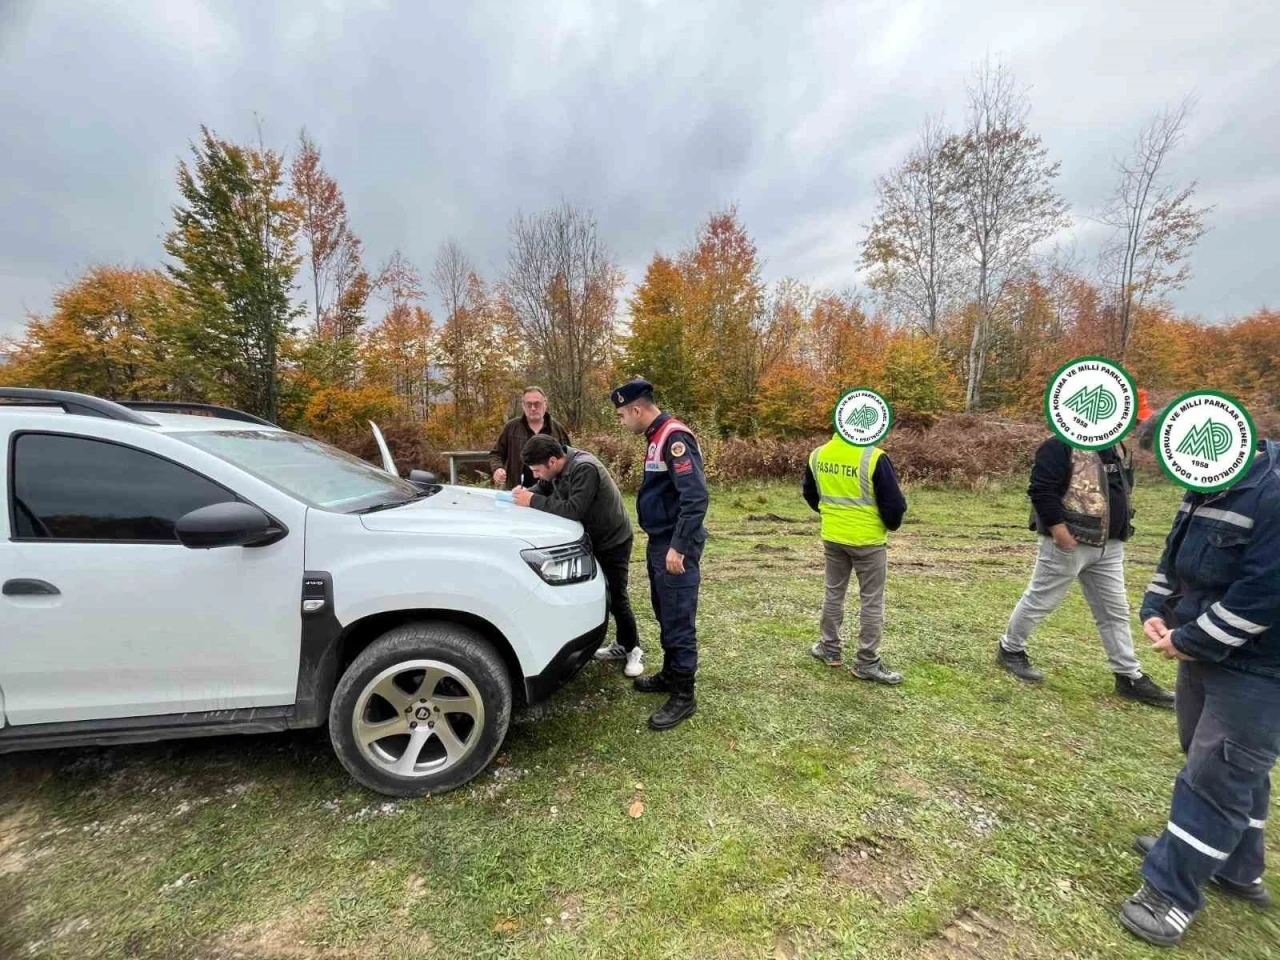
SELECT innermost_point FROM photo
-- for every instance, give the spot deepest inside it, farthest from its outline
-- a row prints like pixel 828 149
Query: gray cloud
pixel 444 122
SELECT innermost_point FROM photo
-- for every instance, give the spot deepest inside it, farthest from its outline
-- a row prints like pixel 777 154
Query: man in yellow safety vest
pixel 856 491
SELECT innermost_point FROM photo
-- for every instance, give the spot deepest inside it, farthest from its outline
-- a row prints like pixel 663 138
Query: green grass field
pixel 801 813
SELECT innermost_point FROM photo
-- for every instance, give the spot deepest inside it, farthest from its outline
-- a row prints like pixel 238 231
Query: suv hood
pixel 467 511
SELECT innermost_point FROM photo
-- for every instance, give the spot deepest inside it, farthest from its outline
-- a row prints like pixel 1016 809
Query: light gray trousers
pixel 1101 575
pixel 870 564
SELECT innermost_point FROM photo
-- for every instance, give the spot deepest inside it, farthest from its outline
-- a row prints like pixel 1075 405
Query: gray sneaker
pixel 818 652
pixel 614 651
pixel 877 673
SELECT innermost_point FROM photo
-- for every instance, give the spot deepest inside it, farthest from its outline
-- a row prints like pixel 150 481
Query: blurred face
pixel 549 470
pixel 632 417
pixel 535 406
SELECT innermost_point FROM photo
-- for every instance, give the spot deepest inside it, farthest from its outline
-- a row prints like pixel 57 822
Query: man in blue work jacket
pixel 671 507
pixel 1214 605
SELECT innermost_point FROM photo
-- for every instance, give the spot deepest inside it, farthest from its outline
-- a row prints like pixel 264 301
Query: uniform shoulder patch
pixel 684 466
pixel 678 449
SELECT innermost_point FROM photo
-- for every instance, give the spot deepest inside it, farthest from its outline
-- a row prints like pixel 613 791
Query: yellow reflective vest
pixel 847 500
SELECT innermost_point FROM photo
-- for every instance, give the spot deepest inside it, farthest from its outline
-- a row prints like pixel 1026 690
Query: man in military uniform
pixel 671 506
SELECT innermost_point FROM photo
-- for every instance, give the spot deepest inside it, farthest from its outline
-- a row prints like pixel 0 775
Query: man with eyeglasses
pixel 506 463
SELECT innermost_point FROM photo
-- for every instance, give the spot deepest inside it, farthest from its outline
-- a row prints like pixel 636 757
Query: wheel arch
pixel 341 645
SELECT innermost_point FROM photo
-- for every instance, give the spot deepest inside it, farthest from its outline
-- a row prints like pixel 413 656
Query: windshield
pixel 314 472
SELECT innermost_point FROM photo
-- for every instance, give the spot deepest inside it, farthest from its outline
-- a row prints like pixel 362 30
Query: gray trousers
pixel 871 566
pixel 1101 575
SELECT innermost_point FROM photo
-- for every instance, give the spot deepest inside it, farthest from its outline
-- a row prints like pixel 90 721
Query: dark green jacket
pixel 585 492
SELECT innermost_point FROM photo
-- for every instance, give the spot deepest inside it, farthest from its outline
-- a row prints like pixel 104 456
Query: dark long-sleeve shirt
pixel 585 492
pixel 1051 475
pixel 884 482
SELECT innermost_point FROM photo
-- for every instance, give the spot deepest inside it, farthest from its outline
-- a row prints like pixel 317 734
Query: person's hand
pixel 1155 628
pixel 1165 646
pixel 1062 537
pixel 500 476
pixel 523 496
pixel 675 562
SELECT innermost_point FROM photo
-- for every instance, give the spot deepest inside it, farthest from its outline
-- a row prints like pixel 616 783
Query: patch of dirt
pixel 771 518
pixel 770 548
pixel 973 934
pixel 14 830
pixel 913 784
pixel 882 868
pixel 288 937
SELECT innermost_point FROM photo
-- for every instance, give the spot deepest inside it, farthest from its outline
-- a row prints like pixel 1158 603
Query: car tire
pixel 422 710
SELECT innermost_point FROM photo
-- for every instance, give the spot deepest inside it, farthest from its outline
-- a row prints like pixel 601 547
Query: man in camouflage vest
pixel 1080 507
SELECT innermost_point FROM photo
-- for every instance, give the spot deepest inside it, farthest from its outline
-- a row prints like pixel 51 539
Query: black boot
pixel 653 683
pixel 1018 664
pixel 1144 690
pixel 679 706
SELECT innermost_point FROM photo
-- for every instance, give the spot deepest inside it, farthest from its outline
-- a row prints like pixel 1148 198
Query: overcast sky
pixel 442 120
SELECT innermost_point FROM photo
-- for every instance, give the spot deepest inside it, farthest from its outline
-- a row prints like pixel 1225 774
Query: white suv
pixel 174 574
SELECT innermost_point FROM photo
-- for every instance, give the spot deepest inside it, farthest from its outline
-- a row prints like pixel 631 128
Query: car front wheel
pixel 423 709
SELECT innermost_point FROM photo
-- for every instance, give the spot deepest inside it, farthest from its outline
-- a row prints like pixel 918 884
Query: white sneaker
pixel 635 663
pixel 613 651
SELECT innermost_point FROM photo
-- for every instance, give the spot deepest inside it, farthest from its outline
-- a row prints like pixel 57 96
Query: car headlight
pixel 570 563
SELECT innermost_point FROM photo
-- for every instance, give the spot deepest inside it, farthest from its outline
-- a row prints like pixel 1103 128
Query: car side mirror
pixel 232 524
pixel 422 478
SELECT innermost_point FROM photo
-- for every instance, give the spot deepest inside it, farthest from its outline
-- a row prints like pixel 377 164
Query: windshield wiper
pixel 389 504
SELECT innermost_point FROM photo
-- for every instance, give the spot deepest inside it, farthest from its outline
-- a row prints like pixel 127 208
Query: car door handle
pixel 30 588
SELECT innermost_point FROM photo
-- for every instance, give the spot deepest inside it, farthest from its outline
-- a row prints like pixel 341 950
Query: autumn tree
pixel 911 249
pixel 106 336
pixel 234 241
pixel 401 349
pixel 659 344
pixel 725 301
pixel 1155 225
pixel 339 283
pixel 462 294
pixel 1004 200
pixel 562 284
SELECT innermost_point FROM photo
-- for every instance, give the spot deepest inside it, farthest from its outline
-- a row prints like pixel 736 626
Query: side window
pixel 75 488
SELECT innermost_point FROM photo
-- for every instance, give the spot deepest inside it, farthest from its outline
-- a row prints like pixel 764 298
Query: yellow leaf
pixel 636 810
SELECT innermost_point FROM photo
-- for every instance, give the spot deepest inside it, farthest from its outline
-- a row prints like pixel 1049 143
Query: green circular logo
pixel 1204 441
pixel 1091 403
pixel 862 417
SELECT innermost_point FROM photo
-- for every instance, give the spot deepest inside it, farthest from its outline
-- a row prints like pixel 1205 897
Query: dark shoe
pixel 653 683
pixel 1018 665
pixel 1155 918
pixel 679 706
pixel 818 652
pixel 877 673
pixel 1143 689
pixel 1254 893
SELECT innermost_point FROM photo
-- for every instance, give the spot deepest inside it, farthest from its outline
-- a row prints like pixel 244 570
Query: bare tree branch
pixel 1155 225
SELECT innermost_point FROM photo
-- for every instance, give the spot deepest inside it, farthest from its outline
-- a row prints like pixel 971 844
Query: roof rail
pixel 200 409
pixel 74 403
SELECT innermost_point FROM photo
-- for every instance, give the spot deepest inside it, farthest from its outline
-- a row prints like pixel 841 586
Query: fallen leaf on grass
pixel 505 926
pixel 636 810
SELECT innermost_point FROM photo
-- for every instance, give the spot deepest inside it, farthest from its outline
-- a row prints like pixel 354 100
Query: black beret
pixel 631 391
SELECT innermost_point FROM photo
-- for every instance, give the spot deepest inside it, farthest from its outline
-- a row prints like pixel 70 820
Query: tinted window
pixel 73 488
pixel 308 469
